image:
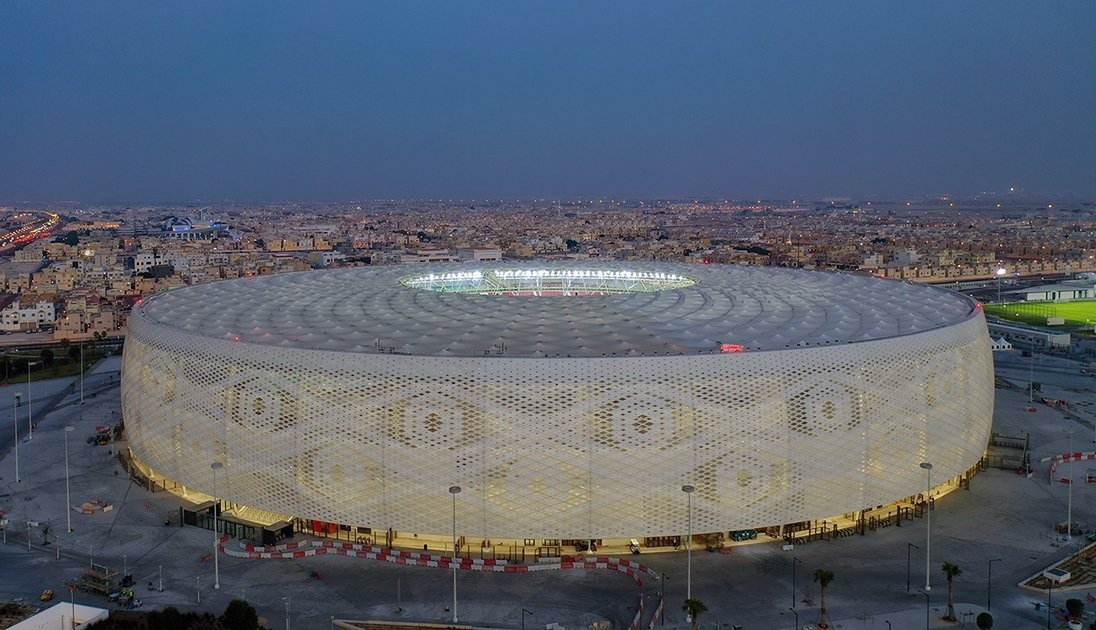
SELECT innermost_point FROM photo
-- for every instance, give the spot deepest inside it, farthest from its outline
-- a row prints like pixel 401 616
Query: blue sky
pixel 329 100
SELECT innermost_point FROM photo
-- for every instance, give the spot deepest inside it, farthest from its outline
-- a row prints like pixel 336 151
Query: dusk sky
pixel 180 101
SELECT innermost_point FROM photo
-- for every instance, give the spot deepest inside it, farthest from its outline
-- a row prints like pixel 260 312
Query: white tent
pixel 999 344
pixel 60 616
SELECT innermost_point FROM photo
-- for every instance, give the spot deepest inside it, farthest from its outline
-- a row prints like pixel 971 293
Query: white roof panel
pixel 371 310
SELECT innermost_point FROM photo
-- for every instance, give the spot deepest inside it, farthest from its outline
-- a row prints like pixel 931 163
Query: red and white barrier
pixel 307 548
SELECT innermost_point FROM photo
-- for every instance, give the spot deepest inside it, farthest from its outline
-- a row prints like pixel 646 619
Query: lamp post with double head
pixel 215 466
pixel 688 490
pixel 455 490
pixel 928 523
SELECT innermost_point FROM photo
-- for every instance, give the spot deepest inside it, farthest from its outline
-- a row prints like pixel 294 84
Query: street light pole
pixel 215 466
pixel 688 490
pixel 15 421
pixel 989 583
pixel 928 523
pixel 926 609
pixel 1000 272
pixel 1069 503
pixel 30 421
pixel 455 490
pixel 662 596
pixel 82 370
pixel 1031 376
pixel 523 613
pixel 68 499
pixel 1050 589
pixel 795 561
pixel 796 613
pixel 909 546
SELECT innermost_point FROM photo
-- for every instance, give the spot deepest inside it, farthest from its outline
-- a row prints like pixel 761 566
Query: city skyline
pixel 121 102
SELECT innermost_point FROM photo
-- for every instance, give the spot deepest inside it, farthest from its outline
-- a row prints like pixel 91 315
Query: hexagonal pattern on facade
pixel 356 396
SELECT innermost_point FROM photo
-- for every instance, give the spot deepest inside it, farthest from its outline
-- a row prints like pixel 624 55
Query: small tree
pixel 693 607
pixel 240 615
pixel 168 619
pixel 951 571
pixel 1075 608
pixel 823 577
pixel 984 621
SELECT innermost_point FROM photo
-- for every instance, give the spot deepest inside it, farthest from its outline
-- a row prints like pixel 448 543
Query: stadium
pixel 566 400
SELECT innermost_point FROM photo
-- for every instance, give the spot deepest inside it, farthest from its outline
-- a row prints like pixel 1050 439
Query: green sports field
pixel 1078 313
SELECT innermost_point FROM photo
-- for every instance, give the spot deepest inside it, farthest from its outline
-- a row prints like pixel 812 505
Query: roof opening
pixel 548 282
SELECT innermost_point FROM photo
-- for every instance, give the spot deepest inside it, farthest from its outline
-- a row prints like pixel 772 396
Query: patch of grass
pixel 1077 313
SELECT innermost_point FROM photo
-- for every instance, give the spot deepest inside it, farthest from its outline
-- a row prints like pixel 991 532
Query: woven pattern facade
pixel 560 448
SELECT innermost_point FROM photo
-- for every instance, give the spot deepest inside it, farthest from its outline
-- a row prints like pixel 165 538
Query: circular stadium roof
pixel 549 309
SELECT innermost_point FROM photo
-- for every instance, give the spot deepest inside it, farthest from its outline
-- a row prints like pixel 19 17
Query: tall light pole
pixel 30 421
pixel 215 466
pixel 82 369
pixel 15 422
pixel 1050 590
pixel 286 598
pixel 688 490
pixel 1000 272
pixel 1069 502
pixel 909 546
pixel 68 498
pixel 1031 376
pixel 795 561
pixel 989 583
pixel 928 523
pixel 454 490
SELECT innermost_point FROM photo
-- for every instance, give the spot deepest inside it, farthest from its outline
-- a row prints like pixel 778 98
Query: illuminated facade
pixel 567 400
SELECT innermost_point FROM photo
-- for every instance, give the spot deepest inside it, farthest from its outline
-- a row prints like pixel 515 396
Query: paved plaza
pixel 1003 515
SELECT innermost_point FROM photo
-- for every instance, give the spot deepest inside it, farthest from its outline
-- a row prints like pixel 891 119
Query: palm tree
pixel 693 607
pixel 951 571
pixel 823 577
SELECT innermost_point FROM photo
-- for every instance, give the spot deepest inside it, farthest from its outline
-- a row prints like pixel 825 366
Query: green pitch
pixel 1078 313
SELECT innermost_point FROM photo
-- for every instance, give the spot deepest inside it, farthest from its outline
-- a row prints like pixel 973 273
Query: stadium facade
pixel 567 400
